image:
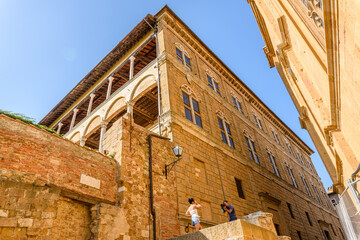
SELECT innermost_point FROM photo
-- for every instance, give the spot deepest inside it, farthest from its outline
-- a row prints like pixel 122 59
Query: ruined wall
pixel 134 177
pixel 48 184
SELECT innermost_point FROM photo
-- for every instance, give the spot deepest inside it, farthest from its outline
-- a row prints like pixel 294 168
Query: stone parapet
pixel 32 155
pixel 255 226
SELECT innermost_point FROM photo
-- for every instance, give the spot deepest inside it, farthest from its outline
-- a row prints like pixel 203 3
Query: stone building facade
pixel 315 46
pixel 163 78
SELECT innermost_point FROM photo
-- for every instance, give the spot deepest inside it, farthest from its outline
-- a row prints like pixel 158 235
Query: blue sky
pixel 47 47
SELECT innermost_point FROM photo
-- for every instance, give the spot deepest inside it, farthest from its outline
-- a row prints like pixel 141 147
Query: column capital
pixel 129 103
pixel 132 58
pixel 76 110
pixel 111 78
pixel 92 95
pixel 104 123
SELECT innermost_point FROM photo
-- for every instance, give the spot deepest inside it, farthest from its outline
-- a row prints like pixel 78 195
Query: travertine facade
pixel 235 147
pixel 315 46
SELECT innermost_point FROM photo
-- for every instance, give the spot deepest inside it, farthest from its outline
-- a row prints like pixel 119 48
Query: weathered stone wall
pixel 44 194
pixel 55 161
pixel 134 177
pixel 209 166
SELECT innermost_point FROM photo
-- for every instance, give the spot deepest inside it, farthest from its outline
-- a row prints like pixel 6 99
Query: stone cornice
pixel 180 28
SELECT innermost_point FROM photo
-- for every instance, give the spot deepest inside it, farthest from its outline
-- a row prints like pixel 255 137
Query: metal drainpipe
pixel 152 210
pixel 158 77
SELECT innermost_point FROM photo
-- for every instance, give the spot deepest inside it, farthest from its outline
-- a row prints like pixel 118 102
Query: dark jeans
pixel 233 219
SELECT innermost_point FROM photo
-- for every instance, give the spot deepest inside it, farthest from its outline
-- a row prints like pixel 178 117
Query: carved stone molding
pixel 189 91
pixel 285 45
pixel 221 115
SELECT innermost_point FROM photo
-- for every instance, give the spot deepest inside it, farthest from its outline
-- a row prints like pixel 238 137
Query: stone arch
pixel 145 84
pixel 116 106
pixel 75 137
pixel 190 92
pixel 181 48
pixel 221 115
pixel 92 126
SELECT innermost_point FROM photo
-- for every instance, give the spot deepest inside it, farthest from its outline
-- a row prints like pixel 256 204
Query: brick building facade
pixel 162 77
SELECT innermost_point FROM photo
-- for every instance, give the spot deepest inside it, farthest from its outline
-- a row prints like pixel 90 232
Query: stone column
pixel 82 141
pixel 90 104
pixel 129 110
pixel 109 87
pixel 73 118
pixel 59 128
pixel 131 73
pixel 102 133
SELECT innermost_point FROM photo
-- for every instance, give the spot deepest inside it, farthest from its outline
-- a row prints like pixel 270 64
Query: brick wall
pixel 44 193
pixel 55 161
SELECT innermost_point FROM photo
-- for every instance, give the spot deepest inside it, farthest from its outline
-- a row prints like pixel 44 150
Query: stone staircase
pixel 256 226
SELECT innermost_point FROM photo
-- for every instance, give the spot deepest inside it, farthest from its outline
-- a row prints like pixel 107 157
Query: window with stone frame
pixel 182 56
pixel 237 104
pixel 307 189
pixel 316 193
pixel 289 147
pixel 191 106
pixel 213 84
pixel 275 136
pixel 326 198
pixel 251 147
pixel 300 157
pixel 258 122
pixel 291 174
pixel 225 131
pixel 310 165
pixel 273 163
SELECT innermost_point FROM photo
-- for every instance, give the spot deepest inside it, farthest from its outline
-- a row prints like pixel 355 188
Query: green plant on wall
pixel 28 120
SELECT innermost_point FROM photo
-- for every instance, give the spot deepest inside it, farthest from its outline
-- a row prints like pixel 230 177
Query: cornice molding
pixel 268 49
pixel 218 66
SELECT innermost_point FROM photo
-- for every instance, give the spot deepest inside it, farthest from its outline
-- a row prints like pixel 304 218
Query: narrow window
pixel 239 188
pixel 197 113
pixel 317 194
pixel 332 228
pixel 183 58
pixel 306 186
pixel 342 234
pixel 308 218
pixel 290 149
pixel 290 211
pixel 179 55
pixel 252 151
pixel 273 164
pixel 325 197
pixel 213 84
pixel 226 133
pixel 277 228
pixel 258 122
pixel 293 181
pixel 310 166
pixel 187 62
pixel 237 105
pixel 192 110
pixel 327 235
pixel 299 235
pixel 275 137
pixel 300 158
pixel 210 82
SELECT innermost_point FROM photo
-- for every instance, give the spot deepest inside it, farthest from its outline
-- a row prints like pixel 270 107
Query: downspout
pixel 155 29
pixel 152 210
pixel 158 78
